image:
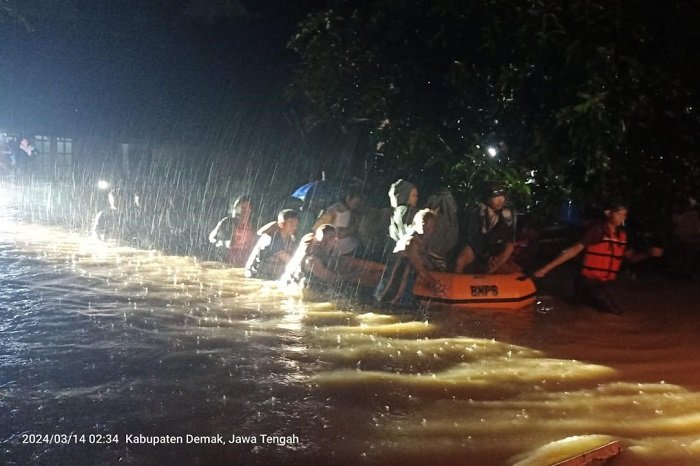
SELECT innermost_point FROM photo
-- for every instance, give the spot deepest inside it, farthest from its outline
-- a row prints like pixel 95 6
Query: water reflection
pixel 103 339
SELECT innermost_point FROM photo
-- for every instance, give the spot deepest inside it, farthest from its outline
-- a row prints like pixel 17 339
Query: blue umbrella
pixel 317 190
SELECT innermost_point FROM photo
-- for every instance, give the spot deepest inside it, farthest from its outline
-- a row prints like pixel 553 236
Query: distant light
pixel 102 184
pixel 492 151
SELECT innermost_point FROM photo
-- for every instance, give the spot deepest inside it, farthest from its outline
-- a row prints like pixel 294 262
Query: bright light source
pixel 102 184
pixel 492 151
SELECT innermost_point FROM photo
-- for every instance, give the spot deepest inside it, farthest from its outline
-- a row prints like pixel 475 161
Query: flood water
pixel 114 343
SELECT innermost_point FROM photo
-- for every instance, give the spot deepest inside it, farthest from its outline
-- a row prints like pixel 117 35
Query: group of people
pixel 421 241
pixel 324 255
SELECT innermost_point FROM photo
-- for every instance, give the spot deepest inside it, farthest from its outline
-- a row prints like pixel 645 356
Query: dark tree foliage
pixel 588 98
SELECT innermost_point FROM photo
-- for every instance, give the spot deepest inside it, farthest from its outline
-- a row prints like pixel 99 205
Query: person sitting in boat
pixel 343 215
pixel 443 242
pixel 403 196
pixel 490 234
pixel 273 249
pixel 410 261
pixel 234 234
pixel 316 264
pixel 313 262
pixel 604 245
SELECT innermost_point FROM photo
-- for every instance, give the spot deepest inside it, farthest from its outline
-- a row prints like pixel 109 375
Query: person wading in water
pixel 605 246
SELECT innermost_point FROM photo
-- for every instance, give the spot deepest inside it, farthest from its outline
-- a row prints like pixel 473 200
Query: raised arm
pixel 215 235
pixel 566 255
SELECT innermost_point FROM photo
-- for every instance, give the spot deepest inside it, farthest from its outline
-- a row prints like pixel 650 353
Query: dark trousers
pixel 596 294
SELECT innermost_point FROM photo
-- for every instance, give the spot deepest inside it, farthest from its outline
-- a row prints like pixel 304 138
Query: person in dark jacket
pixel 410 261
pixel 274 247
pixel 443 242
pixel 24 154
pixel 120 222
pixel 490 237
pixel 683 258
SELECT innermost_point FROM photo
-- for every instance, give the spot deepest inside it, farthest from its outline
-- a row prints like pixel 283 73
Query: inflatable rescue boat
pixel 507 291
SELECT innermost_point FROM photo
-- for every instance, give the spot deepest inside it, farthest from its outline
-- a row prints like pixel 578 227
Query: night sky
pixel 219 71
pixel 137 67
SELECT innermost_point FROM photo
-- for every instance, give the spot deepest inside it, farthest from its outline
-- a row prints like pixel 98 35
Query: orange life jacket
pixel 603 260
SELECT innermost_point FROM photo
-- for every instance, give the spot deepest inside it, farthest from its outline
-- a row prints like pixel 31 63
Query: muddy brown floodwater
pixel 113 343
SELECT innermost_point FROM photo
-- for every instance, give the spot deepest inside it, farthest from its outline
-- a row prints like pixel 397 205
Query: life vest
pixel 490 218
pixel 242 241
pixel 603 260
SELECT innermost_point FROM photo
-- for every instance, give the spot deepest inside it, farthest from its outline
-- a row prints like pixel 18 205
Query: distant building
pixel 54 157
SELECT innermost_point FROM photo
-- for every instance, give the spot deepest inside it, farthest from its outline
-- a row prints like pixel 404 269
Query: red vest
pixel 242 240
pixel 602 260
